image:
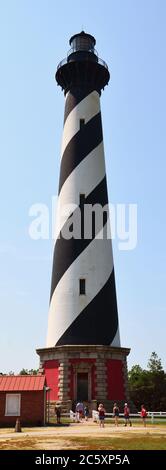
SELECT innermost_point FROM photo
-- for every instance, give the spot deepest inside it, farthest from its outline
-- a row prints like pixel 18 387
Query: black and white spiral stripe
pixel 91 318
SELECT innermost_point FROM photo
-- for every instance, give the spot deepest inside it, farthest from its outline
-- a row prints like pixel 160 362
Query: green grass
pixel 136 442
pixel 138 422
pixel 135 422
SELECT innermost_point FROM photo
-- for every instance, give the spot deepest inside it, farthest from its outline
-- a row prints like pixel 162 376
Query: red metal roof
pixel 15 383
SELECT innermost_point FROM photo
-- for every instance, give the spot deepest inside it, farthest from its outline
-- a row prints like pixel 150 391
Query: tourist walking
pixel 58 412
pixel 127 415
pixel 79 411
pixel 116 414
pixel 143 414
pixel 102 412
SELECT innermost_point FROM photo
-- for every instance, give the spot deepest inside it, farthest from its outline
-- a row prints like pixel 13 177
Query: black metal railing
pixel 65 61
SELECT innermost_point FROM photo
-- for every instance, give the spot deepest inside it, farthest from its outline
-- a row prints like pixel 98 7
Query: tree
pixel 33 371
pixel 154 364
pixel 29 372
pixel 23 372
pixel 135 372
pixel 158 381
pixel 148 386
pixel 136 376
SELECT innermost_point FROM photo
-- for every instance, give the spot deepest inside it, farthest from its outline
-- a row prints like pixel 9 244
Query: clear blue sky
pixel 131 37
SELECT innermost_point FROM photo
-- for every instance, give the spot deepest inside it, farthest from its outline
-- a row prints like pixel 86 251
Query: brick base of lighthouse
pixel 88 373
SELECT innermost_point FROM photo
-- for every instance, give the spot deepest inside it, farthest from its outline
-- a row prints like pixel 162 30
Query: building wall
pixel 115 379
pixel 107 366
pixel 51 371
pixel 32 408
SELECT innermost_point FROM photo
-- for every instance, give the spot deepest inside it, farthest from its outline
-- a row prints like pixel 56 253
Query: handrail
pixel 99 61
pixel 102 62
pixel 63 62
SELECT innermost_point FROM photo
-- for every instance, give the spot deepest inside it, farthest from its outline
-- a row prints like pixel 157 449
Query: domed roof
pixel 84 35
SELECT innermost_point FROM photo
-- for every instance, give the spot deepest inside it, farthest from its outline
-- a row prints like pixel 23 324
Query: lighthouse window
pixel 82 200
pixel 82 123
pixel 81 43
pixel 82 287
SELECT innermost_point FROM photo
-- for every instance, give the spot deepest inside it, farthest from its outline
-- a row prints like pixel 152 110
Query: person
pixel 143 414
pixel 116 413
pixel 58 412
pixel 86 413
pixel 127 415
pixel 79 411
pixel 101 411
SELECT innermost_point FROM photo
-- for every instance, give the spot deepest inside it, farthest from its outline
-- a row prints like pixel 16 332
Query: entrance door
pixel 82 386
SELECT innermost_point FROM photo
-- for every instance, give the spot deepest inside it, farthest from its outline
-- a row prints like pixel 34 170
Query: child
pixel 86 413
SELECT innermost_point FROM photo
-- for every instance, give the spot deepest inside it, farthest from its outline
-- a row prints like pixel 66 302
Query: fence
pixel 158 415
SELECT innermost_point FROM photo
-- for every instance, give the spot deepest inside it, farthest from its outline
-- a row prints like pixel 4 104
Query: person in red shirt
pixel 143 414
pixel 127 415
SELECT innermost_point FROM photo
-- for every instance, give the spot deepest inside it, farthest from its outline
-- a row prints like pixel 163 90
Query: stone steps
pixel 66 406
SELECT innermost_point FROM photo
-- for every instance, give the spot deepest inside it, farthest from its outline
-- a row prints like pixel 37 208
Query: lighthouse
pixel 83 358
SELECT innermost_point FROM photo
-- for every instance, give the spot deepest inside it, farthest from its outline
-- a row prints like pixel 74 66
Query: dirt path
pixel 84 436
pixel 83 429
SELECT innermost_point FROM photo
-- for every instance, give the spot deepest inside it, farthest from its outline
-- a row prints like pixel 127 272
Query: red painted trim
pixel 115 379
pixel 51 370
